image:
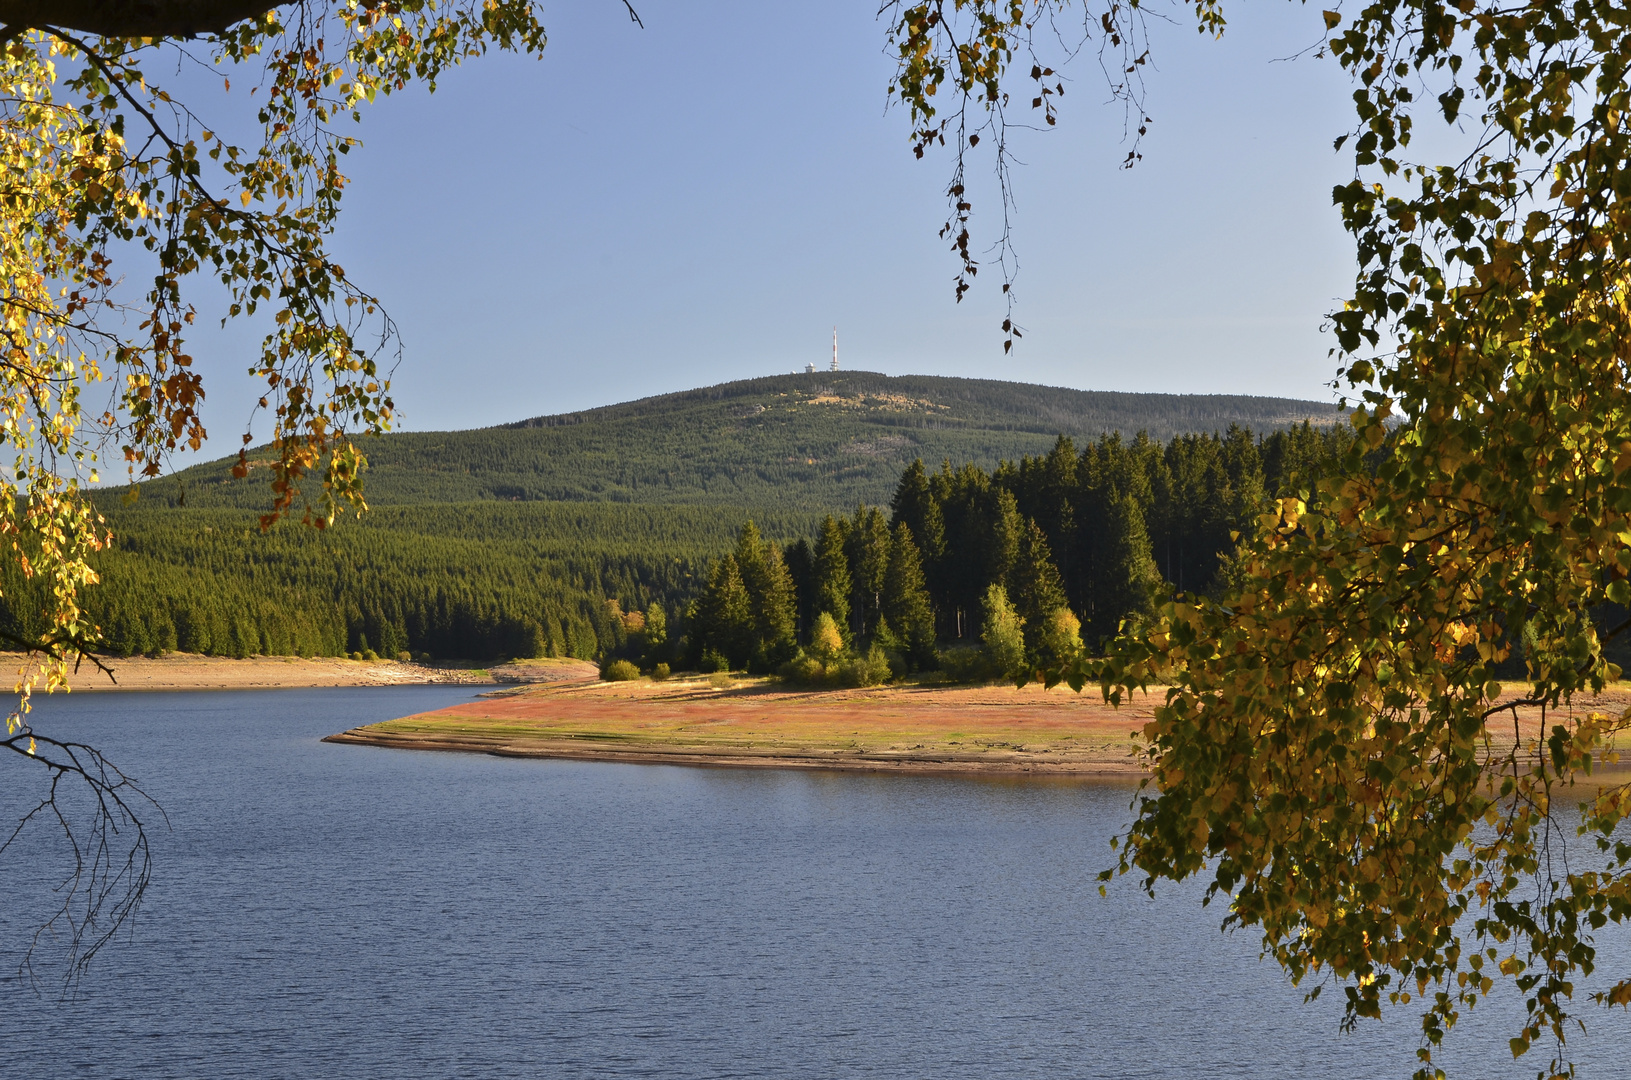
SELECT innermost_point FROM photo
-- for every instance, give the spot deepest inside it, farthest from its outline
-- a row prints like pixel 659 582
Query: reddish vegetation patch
pixel 940 729
pixel 937 729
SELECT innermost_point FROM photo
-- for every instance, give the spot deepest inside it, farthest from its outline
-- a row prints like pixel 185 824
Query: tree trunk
pixel 134 18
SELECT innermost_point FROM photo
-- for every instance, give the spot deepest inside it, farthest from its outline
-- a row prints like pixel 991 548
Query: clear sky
pixel 702 200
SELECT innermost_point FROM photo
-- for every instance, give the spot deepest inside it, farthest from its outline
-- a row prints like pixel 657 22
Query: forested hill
pixel 811 442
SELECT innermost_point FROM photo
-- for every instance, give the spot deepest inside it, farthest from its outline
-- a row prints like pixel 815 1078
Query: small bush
pixel 869 670
pixel 721 680
pixel 660 672
pixel 356 656
pixel 619 671
pixel 370 654
pixel 966 664
pixel 804 670
pixel 405 656
pixel 713 660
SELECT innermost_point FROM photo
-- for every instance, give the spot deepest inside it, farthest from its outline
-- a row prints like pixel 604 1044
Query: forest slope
pixel 811 442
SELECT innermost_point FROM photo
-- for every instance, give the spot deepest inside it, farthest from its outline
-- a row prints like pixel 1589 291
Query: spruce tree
pixel 915 504
pixel 750 558
pixel 724 618
pixel 1130 578
pixel 868 550
pixel 832 578
pixel 774 613
pixel 906 600
pixel 962 496
pixel 1037 590
pixel 800 559
pixel 999 534
pixel 1046 486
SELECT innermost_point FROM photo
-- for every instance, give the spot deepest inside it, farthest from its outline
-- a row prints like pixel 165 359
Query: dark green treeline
pixel 1095 530
pixel 475 581
pixel 1103 531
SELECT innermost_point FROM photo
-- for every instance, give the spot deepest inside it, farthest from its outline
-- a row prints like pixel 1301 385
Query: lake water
pixel 342 911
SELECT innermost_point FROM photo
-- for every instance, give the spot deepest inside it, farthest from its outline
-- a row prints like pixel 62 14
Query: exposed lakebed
pixel 324 910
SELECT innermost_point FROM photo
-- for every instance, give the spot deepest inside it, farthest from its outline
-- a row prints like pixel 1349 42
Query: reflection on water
pixel 323 910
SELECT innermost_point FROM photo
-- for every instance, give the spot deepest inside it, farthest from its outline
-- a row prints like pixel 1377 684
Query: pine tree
pixel 962 496
pixel 724 619
pixel 868 551
pixel 1130 575
pixel 800 559
pixel 915 504
pixel 750 558
pixel 999 535
pixel 1037 589
pixel 1046 486
pixel 832 578
pixel 906 600
pixel 774 613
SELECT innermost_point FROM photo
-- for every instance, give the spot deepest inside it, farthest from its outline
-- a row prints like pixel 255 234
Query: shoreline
pixel 189 671
pixel 993 731
pixel 1030 766
pixel 758 724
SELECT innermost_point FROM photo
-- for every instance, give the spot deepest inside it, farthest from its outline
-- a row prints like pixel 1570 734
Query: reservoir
pixel 344 911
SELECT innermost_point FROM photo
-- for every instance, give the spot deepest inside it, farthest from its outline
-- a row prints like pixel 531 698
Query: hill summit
pixel 812 442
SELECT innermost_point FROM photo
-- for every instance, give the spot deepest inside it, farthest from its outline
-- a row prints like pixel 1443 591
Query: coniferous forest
pixel 563 536
pixel 470 581
pixel 1031 560
pixel 1048 550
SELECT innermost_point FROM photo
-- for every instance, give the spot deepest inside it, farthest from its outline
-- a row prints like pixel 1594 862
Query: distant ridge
pixel 806 442
pixel 1051 410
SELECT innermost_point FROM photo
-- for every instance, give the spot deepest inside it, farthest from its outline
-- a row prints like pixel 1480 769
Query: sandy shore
pixel 754 723
pixel 185 671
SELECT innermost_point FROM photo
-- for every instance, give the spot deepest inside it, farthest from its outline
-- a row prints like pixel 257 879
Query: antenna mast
pixel 835 348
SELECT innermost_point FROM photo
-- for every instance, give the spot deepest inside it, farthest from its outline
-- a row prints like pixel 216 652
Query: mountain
pixel 808 442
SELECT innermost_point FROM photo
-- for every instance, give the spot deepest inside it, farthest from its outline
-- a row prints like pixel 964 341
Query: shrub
pixel 869 670
pixel 804 670
pixel 721 680
pixel 370 654
pixel 619 671
pixel 405 656
pixel 356 656
pixel 713 660
pixel 660 672
pixel 966 664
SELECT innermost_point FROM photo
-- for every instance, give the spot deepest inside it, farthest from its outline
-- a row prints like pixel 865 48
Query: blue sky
pixel 650 210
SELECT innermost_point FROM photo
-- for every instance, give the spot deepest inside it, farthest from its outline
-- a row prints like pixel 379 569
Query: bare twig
pixel 112 862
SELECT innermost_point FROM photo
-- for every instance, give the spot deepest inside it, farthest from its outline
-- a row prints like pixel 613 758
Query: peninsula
pixel 761 723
